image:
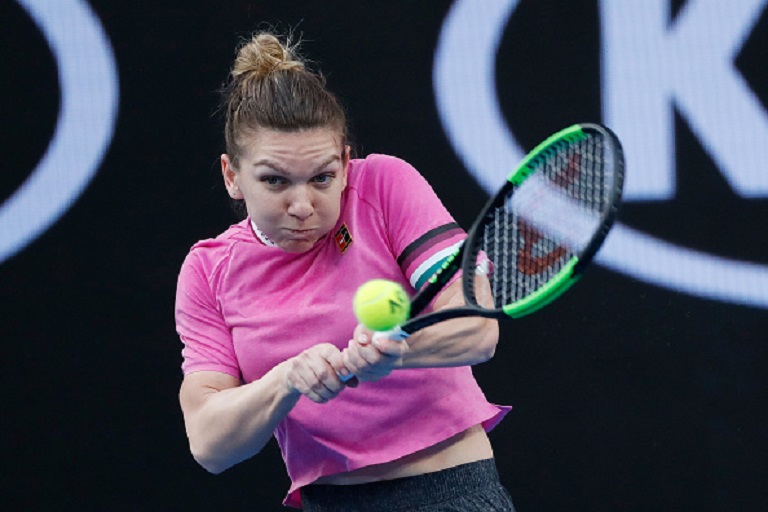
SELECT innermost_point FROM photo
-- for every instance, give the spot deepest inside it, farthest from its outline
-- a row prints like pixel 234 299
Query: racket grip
pixel 396 334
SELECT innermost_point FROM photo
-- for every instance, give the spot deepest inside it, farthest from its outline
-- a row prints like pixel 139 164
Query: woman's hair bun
pixel 263 55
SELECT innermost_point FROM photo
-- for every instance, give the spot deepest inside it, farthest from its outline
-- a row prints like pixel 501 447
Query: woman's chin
pixel 297 245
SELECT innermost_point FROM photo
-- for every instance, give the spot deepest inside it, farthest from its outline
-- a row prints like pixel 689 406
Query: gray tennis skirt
pixel 473 487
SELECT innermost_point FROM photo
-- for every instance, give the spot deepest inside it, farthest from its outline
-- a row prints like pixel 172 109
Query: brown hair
pixel 271 87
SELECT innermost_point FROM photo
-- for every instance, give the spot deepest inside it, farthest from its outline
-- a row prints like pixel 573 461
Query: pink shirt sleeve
pixel 207 339
pixel 422 234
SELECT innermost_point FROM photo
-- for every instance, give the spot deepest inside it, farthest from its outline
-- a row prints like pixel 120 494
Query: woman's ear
pixel 345 162
pixel 229 173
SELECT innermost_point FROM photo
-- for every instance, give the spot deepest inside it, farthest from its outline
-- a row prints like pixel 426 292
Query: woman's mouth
pixel 300 232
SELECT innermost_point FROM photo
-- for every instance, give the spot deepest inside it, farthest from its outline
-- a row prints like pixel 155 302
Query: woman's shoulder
pixel 210 252
pixel 381 170
pixel 378 162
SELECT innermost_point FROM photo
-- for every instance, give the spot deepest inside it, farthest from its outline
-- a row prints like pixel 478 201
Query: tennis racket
pixel 535 238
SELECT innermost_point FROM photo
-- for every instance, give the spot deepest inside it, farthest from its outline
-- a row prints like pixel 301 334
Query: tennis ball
pixel 381 305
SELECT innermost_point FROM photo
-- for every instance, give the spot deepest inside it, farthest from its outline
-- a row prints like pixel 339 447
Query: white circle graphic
pixel 466 96
pixel 85 124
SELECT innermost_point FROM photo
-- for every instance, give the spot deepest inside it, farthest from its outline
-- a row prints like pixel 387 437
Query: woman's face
pixel 292 184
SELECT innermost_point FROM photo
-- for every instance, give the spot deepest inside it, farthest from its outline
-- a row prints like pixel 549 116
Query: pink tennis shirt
pixel 242 307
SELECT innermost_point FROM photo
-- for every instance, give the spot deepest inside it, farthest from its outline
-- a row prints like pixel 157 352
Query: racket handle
pixel 396 334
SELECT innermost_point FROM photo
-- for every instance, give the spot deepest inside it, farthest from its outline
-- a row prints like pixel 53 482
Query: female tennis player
pixel 264 312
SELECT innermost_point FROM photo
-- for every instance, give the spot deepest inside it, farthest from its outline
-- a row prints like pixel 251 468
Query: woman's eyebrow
pixel 266 162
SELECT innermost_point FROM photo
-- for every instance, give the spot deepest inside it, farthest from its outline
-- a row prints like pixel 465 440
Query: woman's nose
pixel 300 204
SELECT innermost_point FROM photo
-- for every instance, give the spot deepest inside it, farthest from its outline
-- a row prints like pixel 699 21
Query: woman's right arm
pixel 227 422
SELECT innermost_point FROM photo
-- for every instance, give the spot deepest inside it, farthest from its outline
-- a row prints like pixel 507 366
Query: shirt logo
pixel 343 238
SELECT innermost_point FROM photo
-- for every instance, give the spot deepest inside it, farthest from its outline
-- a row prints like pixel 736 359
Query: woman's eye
pixel 273 181
pixel 323 179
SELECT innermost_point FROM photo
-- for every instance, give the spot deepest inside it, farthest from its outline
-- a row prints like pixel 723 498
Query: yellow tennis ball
pixel 381 305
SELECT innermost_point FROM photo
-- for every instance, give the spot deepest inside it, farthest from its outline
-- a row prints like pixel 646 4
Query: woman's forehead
pixel 264 139
pixel 310 147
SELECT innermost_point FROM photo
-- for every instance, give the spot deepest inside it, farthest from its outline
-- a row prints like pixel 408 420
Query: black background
pixel 627 397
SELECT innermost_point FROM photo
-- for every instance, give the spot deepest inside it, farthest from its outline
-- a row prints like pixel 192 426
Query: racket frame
pixel 466 259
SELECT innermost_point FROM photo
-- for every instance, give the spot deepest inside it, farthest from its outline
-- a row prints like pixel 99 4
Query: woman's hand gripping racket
pixel 538 234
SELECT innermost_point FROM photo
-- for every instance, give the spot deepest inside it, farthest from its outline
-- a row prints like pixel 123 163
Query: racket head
pixel 538 234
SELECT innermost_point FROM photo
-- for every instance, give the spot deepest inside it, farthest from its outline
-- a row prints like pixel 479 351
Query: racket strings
pixel 540 225
pixel 522 260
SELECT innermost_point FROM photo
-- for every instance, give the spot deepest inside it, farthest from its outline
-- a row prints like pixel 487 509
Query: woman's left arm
pixel 456 342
